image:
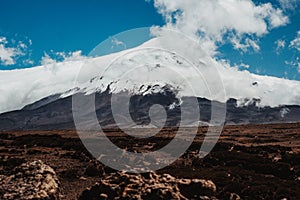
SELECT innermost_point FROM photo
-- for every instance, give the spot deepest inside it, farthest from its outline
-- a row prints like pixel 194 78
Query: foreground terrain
pixel 249 161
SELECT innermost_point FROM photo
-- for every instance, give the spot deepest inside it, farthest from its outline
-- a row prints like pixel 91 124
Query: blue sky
pixel 67 26
pixel 268 60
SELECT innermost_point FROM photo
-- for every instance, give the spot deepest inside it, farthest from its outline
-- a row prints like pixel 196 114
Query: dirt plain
pixel 253 161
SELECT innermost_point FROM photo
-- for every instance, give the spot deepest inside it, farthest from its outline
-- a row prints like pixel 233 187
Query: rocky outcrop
pixel 31 180
pixel 149 186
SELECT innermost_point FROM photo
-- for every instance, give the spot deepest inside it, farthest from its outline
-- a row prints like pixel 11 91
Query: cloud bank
pixel 23 86
pixel 218 20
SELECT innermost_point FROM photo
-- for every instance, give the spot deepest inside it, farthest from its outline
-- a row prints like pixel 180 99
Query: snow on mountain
pixel 134 69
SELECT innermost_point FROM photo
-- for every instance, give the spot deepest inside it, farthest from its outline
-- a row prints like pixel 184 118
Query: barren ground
pixel 253 161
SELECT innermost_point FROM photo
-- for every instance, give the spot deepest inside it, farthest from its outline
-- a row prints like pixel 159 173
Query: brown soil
pixel 253 161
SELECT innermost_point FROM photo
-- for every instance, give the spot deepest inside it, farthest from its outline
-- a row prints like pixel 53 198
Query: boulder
pixel 31 180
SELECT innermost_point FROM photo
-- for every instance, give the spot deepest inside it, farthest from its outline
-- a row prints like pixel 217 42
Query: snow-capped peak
pixel 147 64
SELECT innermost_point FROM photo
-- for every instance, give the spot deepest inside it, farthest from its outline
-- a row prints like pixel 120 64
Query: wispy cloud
pixel 289 4
pixel 294 63
pixel 280 44
pixel 245 66
pixel 296 42
pixel 245 45
pixel 117 43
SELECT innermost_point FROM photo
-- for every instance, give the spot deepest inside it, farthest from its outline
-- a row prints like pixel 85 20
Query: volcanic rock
pixel 149 186
pixel 31 180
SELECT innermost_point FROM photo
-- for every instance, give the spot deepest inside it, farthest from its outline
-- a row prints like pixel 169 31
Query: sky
pixel 261 36
pixel 68 26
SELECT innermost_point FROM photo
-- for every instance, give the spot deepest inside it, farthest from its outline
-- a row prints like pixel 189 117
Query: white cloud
pixel 9 54
pixel 284 112
pixel 3 40
pixel 116 43
pixel 294 63
pixel 245 66
pixel 237 66
pixel 296 42
pixel 52 61
pixel 47 60
pixel 245 45
pixel 214 19
pixel 280 44
pixel 275 17
pixel 28 61
pixel 61 57
pixel 31 84
pixel 289 4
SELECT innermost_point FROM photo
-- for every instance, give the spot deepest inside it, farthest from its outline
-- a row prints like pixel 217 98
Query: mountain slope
pixel 57 114
pixel 27 86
